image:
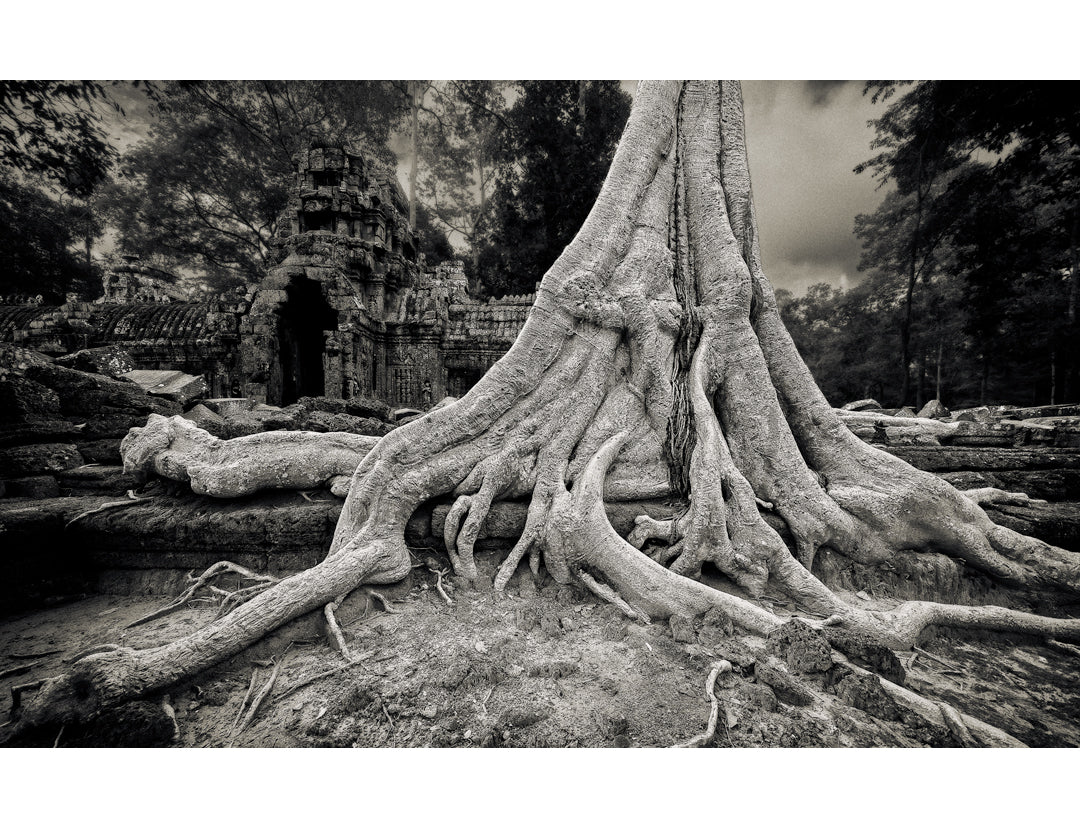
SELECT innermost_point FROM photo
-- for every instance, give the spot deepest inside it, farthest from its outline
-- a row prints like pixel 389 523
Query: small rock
pixel 682 629
pixel 566 595
pixel 480 647
pixel 866 693
pixel 715 627
pixel 867 651
pixel 567 623
pixel 527 618
pixel 758 696
pixel 904 412
pixel 787 687
pixel 430 712
pixel 549 624
pixel 803 649
pixel 933 410
pixel 862 594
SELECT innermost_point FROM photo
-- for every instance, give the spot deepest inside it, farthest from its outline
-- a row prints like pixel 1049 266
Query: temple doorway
pixel 304 319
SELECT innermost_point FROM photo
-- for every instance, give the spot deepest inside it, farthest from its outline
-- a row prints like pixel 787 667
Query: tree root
pixel 170 713
pixel 931 711
pixel 132 500
pixel 989 496
pixel 1061 647
pixel 438 572
pixel 955 723
pixel 721 667
pixel 264 691
pixel 382 599
pixel 230 601
pixel 337 636
pixel 655 330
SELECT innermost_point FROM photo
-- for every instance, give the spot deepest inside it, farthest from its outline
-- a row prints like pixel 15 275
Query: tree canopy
pixel 972 252
pixel 53 129
pixel 207 188
pixel 554 148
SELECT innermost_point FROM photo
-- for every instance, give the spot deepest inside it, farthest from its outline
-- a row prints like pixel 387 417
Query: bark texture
pixel 654 359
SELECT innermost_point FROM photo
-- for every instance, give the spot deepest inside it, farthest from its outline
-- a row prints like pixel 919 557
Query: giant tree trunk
pixel 655 343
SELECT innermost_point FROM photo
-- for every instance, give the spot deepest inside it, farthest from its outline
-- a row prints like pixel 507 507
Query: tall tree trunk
pixel 416 93
pixel 937 364
pixel 654 362
pixel 1053 376
pixel 920 388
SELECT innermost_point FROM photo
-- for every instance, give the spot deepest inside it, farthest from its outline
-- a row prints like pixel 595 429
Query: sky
pixel 804 138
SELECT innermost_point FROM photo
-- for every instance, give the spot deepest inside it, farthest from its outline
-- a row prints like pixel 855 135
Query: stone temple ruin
pixel 348 309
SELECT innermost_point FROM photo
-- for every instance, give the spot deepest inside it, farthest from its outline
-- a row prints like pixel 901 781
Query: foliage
pixel 431 240
pixel 976 242
pixel 554 148
pixel 36 236
pixel 207 188
pixel 53 129
pixel 459 154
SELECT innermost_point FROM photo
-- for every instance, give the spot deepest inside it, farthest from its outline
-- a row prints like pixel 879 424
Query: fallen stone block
pixel 171 385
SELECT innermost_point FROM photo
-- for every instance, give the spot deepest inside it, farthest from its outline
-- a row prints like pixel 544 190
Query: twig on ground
pixel 381 599
pixel 29 656
pixel 387 714
pixel 325 674
pixel 112 504
pixel 243 703
pixel 722 666
pixel 943 662
pixel 438 573
pixel 18 689
pixel 214 571
pixel 262 694
pixel 11 672
pixel 56 744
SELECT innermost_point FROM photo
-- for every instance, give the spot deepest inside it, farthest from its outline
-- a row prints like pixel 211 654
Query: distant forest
pixel 970 261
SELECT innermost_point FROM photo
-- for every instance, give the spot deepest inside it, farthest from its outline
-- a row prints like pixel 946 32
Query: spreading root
pixel 227 599
pixel 654 361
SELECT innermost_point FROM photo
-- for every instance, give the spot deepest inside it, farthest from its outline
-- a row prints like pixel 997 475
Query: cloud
pixel 804 138
pixel 821 91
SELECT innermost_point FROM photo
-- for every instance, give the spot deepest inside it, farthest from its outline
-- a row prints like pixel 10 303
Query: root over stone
pixel 654 361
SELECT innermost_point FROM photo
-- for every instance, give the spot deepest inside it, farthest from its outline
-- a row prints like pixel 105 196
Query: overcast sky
pixel 804 138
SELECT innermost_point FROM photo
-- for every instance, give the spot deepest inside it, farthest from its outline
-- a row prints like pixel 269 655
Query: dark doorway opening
pixel 460 380
pixel 304 318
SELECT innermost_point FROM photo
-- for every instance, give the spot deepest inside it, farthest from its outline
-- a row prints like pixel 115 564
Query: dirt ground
pixel 534 667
